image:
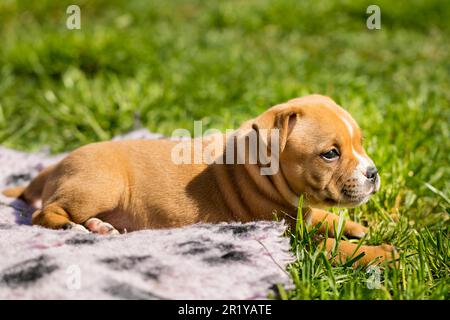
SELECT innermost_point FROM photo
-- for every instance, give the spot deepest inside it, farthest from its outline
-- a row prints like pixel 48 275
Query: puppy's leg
pixel 347 250
pixel 98 226
pixel 75 198
pixel 55 217
pixel 351 229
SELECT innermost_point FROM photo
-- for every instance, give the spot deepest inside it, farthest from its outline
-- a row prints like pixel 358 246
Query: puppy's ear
pixel 282 118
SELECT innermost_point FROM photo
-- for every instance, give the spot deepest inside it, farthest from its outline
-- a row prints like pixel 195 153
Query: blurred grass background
pixel 164 64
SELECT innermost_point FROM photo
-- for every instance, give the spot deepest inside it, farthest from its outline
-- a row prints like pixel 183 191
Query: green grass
pixel 164 64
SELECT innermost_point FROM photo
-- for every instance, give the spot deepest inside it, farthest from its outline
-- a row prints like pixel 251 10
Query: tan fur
pixel 134 185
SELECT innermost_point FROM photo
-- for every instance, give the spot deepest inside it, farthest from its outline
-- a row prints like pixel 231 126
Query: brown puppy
pixel 133 185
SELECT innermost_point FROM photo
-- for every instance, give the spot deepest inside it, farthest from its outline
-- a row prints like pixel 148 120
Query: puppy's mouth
pixel 346 202
pixel 349 196
pixel 330 201
pixel 357 197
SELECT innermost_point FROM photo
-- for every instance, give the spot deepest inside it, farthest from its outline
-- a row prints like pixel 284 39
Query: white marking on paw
pixel 98 226
pixel 78 228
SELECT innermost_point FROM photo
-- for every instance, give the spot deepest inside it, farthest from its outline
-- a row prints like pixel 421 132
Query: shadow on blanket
pixel 22 212
pixel 203 261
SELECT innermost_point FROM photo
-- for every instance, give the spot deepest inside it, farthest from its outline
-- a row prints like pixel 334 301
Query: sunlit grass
pixel 164 64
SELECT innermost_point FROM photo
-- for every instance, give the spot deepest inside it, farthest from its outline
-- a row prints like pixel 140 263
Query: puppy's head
pixel 321 153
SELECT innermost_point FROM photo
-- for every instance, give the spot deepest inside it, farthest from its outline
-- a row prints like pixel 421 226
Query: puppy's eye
pixel 333 154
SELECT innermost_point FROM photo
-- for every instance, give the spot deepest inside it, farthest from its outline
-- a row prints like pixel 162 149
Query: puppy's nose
pixel 371 173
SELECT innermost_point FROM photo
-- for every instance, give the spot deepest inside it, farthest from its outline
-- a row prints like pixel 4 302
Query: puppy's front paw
pixel 383 252
pixel 98 226
pixel 354 230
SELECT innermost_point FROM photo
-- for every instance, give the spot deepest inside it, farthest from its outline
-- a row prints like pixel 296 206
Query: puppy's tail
pixel 33 191
pixel 15 192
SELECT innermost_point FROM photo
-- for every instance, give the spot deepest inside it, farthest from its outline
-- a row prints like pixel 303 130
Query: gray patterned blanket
pixel 203 261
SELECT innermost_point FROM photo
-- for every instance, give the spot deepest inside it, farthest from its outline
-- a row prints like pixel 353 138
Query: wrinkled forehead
pixel 343 117
pixel 332 120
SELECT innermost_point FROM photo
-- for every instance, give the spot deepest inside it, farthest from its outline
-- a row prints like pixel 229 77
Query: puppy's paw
pixel 389 251
pixel 383 253
pixel 354 230
pixel 98 226
pixel 75 227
